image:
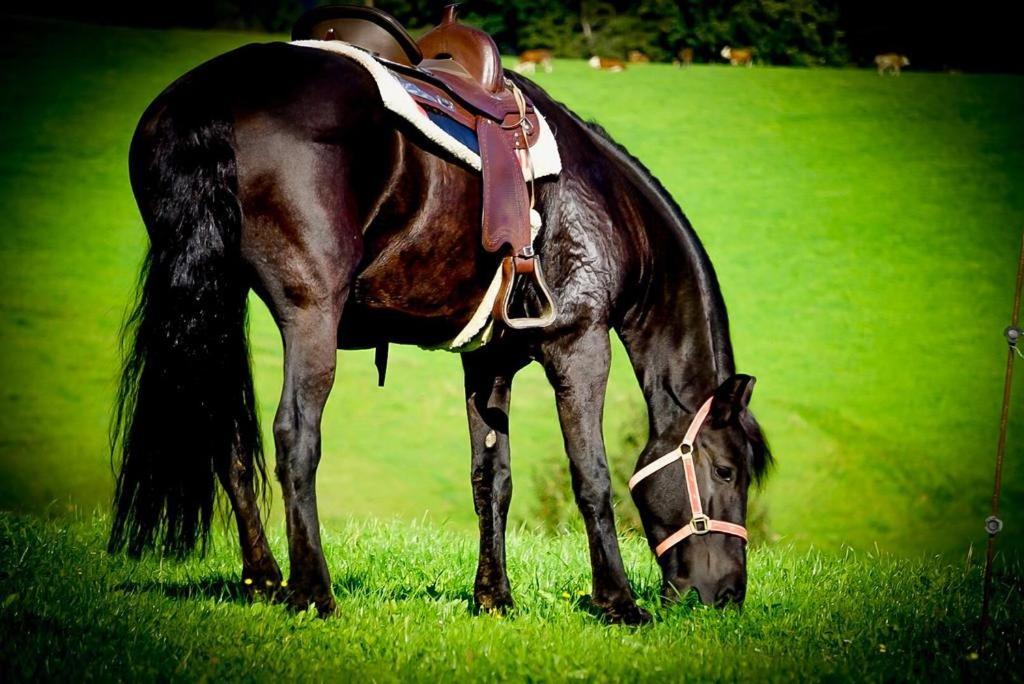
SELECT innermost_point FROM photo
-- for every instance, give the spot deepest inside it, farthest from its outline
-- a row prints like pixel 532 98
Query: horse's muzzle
pixel 729 591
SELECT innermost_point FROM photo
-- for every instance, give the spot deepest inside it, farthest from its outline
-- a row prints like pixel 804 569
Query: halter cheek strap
pixel 699 524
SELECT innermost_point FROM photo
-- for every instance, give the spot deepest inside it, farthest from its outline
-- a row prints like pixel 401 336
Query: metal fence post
pixel 993 525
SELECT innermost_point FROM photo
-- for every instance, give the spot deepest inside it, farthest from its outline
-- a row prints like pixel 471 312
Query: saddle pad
pixel 543 154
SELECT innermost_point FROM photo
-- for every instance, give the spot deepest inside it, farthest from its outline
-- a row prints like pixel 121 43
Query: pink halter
pixel 699 524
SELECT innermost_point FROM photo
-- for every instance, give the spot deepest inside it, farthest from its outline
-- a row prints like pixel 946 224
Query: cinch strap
pixel 699 524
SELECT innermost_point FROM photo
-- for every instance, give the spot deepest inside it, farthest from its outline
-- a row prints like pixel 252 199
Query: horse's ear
pixel 731 398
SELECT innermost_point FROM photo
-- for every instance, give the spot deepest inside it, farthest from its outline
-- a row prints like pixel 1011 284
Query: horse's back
pixel 306 93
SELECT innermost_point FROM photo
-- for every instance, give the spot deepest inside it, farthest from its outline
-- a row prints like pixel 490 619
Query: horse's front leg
pixel 577 368
pixel 488 379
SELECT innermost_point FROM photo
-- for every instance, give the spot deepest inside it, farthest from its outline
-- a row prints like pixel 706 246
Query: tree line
pixel 975 36
pixel 800 32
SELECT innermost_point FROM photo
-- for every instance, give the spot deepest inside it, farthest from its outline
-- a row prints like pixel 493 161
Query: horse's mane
pixel 660 197
pixel 673 217
pixel 667 208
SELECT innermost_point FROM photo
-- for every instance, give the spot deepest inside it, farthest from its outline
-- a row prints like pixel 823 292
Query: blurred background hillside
pixel 936 36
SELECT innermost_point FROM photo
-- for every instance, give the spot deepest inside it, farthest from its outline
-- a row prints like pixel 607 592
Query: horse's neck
pixel 676 333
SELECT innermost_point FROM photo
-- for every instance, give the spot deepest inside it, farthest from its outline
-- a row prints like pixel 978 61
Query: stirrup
pixel 527 265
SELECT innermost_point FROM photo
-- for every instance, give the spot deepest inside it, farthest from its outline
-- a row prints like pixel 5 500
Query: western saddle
pixel 455 71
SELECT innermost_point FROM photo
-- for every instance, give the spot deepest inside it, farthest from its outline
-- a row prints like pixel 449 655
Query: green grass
pixel 70 612
pixel 864 231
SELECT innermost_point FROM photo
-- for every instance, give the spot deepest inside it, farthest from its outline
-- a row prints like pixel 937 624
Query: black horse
pixel 275 168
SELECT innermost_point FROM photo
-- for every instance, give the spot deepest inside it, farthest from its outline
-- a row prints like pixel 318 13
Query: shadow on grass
pixel 354 585
pixel 231 590
pixel 220 588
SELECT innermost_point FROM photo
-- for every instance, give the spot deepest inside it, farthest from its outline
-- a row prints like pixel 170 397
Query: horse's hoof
pixel 494 603
pixel 627 614
pixel 262 584
pixel 324 607
pixel 300 601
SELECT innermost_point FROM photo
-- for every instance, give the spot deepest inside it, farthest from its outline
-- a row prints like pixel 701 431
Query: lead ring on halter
pixel 699 524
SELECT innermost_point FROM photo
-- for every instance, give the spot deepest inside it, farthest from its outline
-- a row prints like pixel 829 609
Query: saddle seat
pixel 375 31
pixel 472 49
pixel 464 59
pixel 455 71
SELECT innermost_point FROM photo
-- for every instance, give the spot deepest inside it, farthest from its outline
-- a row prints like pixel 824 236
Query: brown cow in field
pixel 739 56
pixel 530 59
pixel 637 57
pixel 607 63
pixel 684 58
pixel 891 62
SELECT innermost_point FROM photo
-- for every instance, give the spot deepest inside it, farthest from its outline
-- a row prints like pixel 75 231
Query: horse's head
pixel 692 496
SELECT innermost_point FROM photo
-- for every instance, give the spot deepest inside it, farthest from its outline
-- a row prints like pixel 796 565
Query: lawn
pixel 864 230
pixel 70 612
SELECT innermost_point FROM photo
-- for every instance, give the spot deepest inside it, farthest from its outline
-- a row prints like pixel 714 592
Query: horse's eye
pixel 724 472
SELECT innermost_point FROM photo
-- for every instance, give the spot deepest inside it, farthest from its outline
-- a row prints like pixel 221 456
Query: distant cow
pixel 684 58
pixel 891 62
pixel 606 63
pixel 738 56
pixel 530 59
pixel 637 57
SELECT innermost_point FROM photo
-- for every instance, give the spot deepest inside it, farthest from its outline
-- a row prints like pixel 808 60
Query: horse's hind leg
pixel 310 333
pixel 310 350
pixel 260 572
pixel 488 378
pixel 304 243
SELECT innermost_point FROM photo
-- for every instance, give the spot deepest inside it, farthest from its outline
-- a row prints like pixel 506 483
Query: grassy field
pixel 864 231
pixel 69 612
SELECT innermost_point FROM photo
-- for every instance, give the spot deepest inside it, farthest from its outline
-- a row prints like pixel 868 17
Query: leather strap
pixel 687 444
pixel 699 524
pixel 380 360
pixel 654 466
pixel 506 200
pixel 687 530
pixel 508 213
pixel 692 488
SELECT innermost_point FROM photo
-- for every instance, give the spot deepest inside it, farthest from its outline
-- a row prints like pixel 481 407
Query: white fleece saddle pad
pixel 543 155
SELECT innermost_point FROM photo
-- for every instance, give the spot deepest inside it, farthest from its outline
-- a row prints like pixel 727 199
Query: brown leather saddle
pixel 455 71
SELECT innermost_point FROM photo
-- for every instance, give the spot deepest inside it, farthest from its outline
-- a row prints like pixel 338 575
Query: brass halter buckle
pixel 701 524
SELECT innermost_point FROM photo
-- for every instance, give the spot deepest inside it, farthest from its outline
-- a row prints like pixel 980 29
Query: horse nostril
pixel 728 595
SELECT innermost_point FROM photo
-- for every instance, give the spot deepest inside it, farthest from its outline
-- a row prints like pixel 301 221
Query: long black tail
pixel 186 405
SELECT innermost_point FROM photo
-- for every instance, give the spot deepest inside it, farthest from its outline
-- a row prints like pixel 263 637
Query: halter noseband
pixel 699 524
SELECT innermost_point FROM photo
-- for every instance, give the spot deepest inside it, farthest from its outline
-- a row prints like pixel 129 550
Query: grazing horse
pixel 275 168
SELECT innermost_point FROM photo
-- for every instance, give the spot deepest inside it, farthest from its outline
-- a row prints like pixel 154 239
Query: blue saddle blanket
pixel 464 134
